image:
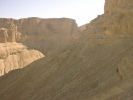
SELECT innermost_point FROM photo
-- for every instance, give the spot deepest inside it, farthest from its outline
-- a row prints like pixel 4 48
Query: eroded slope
pixel 97 66
pixel 82 71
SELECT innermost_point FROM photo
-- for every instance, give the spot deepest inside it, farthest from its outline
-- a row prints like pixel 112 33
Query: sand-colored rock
pixel 3 35
pixel 96 66
pixel 117 5
pixel 9 34
pixel 81 71
pixel 116 21
pixel 83 27
pixel 42 34
pixel 14 56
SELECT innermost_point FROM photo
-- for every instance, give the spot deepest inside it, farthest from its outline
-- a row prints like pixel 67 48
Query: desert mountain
pixel 116 20
pixel 41 34
pixel 26 40
pixel 98 65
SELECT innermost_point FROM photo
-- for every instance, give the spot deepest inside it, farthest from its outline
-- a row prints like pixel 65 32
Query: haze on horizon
pixel 83 11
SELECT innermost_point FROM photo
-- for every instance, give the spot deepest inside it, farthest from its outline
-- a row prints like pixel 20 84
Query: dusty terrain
pixel 96 64
pixel 82 71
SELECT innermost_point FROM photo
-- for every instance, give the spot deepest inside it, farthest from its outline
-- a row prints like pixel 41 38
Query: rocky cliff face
pixel 44 35
pixel 120 12
pixel 38 33
pixel 83 27
pixel 35 29
pixel 14 56
pixel 117 5
pixel 116 21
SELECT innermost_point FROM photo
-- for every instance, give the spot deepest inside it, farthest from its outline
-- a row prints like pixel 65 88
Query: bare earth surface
pixel 82 71
pixel 96 64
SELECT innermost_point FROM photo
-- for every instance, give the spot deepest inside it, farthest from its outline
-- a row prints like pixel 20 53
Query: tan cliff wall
pixel 8 34
pixel 117 19
pixel 14 56
pixel 33 29
pixel 117 5
pixel 3 35
pixel 36 33
pixel 83 27
pixel 45 27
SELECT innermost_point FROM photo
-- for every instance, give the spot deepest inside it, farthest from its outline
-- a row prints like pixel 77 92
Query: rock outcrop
pixel 3 35
pixel 42 34
pixel 83 27
pixel 14 56
pixel 8 32
pixel 117 5
pixel 116 21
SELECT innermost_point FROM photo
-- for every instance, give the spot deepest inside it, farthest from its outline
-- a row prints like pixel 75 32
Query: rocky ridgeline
pixel 37 29
pixel 44 35
pixel 118 5
pixel 41 34
pixel 116 21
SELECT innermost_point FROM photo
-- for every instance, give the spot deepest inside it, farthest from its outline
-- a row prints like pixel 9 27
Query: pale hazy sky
pixel 83 11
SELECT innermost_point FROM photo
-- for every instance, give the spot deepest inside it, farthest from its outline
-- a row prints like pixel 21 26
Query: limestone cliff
pixel 35 29
pixel 117 19
pixel 44 35
pixel 117 5
pixel 41 34
pixel 14 56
